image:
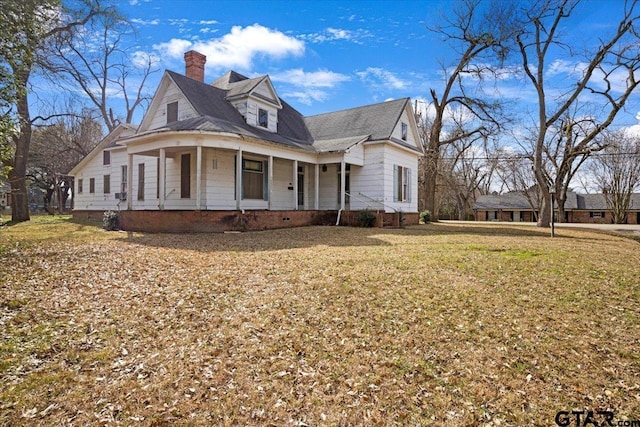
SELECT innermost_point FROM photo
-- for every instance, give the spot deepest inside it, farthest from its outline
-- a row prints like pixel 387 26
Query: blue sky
pixel 328 55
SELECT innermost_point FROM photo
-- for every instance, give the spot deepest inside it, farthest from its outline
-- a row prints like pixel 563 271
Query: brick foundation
pixel 221 221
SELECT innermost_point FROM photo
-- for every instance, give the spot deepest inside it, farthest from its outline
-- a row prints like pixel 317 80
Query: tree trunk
pixel 19 198
pixel 17 175
pixel 430 177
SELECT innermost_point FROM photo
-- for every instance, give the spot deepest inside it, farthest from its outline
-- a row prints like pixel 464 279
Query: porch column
pixel 295 185
pixel 129 181
pixel 238 178
pixel 198 176
pixel 162 180
pixel 343 185
pixel 316 181
pixel 270 182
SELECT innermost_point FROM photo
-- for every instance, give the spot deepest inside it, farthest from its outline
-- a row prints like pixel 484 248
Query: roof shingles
pixel 335 131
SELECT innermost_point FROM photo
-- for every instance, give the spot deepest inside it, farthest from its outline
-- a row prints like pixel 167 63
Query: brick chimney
pixel 194 65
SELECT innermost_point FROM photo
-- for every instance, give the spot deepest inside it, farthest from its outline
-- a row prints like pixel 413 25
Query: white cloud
pixel 207 30
pixel 333 34
pixel 237 48
pixel 382 78
pixel 209 22
pixel 564 67
pixel 179 22
pixel 174 48
pixel 633 131
pixel 141 59
pixel 307 96
pixel 308 86
pixel 145 22
pixel 315 79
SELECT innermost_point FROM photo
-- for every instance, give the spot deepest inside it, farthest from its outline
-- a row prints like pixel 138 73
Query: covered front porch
pixel 219 177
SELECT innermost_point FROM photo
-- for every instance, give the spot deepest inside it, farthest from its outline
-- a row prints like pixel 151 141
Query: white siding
pixel 397 131
pixel 367 182
pixel 264 89
pixel 220 180
pixel 96 170
pixel 172 94
pixel 173 200
pixel 101 201
pixel 282 197
pixel 396 156
pixel 355 156
pixel 252 114
pixel 329 188
pixel 150 201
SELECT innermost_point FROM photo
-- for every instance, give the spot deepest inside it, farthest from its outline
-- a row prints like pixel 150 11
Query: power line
pixel 528 157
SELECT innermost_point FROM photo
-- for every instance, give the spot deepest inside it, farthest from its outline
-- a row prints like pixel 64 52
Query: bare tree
pixel 567 150
pixel 100 62
pixel 465 172
pixel 616 172
pixel 28 28
pixel 480 36
pixel 56 148
pixel 597 82
pixel 515 172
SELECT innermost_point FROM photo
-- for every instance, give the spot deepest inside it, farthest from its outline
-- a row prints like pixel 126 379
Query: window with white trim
pixel 404 131
pixel 263 118
pixel 106 184
pixel 401 184
pixel 254 179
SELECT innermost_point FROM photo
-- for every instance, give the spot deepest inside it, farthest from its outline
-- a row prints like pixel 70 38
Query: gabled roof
pixel 376 120
pixel 227 78
pixel 244 87
pixel 112 140
pixel 517 201
pixel 509 201
pixel 211 101
pixel 330 132
pixel 597 202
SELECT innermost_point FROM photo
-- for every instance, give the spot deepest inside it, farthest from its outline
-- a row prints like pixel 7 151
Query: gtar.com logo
pixel 585 418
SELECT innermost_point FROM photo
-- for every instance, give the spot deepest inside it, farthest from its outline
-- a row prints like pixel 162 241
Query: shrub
pixel 366 219
pixel 425 217
pixel 111 221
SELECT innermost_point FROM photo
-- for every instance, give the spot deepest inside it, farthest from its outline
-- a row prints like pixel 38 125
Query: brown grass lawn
pixel 432 325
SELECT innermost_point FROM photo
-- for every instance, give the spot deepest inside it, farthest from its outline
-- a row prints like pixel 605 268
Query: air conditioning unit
pixel 121 196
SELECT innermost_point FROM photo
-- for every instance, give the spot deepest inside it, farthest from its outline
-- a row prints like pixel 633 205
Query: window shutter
pixel 395 183
pixel 265 180
pixel 235 177
pixel 185 176
pixel 409 185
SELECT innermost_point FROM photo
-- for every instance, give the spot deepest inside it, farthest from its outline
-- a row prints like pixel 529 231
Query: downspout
pixel 343 188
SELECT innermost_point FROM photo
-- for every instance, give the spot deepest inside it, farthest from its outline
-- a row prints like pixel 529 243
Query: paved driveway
pixel 633 228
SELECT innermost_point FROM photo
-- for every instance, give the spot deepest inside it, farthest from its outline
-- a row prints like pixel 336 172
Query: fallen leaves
pixel 317 326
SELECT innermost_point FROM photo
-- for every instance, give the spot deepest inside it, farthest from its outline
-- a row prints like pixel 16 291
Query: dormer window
pixel 263 118
pixel 172 112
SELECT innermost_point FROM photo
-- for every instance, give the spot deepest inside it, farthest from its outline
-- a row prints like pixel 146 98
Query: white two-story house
pixel 233 155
